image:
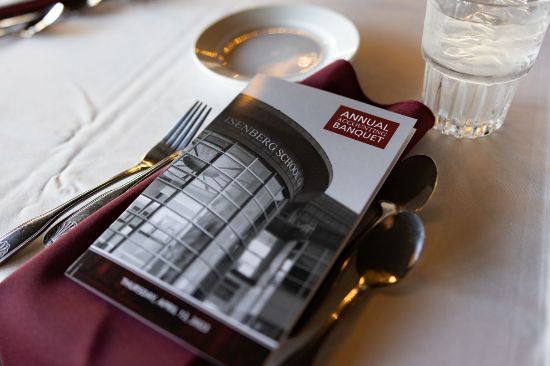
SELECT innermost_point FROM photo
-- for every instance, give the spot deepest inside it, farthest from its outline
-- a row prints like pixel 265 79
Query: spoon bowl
pixel 408 187
pixel 410 184
pixel 384 255
pixel 390 249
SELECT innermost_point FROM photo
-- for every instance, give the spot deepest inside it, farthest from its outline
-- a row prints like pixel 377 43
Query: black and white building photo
pixel 240 224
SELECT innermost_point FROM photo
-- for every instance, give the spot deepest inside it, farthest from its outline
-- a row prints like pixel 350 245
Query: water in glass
pixel 475 52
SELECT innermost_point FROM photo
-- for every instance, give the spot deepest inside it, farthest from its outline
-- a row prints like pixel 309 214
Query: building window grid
pixel 190 221
pixel 303 285
pixel 226 289
pixel 243 168
pixel 275 200
pixel 226 221
pixel 157 255
pixel 282 273
pixel 175 179
pixel 251 195
pixel 236 181
pixel 177 269
pixel 154 254
pixel 238 207
pixel 104 242
pixel 250 251
pixel 241 239
pixel 320 264
pixel 335 215
pixel 224 151
pixel 165 248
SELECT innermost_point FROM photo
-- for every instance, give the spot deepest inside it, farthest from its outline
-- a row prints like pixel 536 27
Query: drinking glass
pixel 476 51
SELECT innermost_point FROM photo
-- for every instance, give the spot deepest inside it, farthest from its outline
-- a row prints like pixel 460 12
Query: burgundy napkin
pixel 46 319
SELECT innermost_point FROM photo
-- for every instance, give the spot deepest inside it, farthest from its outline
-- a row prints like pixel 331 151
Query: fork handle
pixel 24 234
pixel 62 227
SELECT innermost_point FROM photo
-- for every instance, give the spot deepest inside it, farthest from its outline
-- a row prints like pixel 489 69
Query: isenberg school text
pixel 271 145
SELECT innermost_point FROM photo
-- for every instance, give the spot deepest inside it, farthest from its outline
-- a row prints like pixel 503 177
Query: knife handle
pixel 62 227
pixel 24 234
pixel 59 229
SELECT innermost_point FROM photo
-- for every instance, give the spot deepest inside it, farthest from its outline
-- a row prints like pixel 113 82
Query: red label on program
pixel 362 126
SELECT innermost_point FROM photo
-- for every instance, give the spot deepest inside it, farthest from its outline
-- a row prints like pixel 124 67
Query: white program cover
pixel 224 250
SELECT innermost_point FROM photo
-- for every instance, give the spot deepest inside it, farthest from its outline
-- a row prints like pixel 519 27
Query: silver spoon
pixel 28 18
pixel 408 187
pixel 385 255
pixel 411 184
pixel 89 208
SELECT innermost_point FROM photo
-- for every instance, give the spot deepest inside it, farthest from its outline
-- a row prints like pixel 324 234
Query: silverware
pixel 30 17
pixel 408 187
pixel 59 229
pixel 62 227
pixel 179 136
pixel 385 255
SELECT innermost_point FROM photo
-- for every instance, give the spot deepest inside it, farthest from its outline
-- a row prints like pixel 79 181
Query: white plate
pixel 287 41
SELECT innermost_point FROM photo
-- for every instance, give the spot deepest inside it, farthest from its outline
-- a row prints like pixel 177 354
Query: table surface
pixel 88 97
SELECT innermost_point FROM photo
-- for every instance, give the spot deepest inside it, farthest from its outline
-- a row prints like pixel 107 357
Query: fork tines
pixel 182 133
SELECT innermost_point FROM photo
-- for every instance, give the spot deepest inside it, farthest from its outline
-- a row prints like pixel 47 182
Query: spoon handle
pixel 301 351
pixel 371 216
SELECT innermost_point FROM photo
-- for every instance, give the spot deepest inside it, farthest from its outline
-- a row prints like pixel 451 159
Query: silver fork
pixel 177 138
pixel 75 218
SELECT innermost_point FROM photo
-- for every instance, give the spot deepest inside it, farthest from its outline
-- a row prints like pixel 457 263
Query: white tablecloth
pixel 90 96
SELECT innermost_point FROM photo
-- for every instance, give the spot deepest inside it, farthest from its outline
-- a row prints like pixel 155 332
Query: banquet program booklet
pixel 224 250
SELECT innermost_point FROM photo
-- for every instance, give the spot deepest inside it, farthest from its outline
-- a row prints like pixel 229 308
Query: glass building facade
pixel 193 224
pixel 236 224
